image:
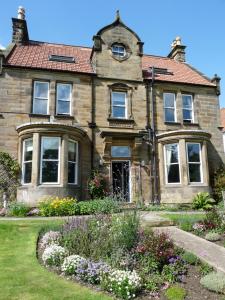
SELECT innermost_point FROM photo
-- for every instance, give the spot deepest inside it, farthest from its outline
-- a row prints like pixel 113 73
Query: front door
pixel 121 179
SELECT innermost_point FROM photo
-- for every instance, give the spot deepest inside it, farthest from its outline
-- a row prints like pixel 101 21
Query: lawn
pixel 192 218
pixel 21 275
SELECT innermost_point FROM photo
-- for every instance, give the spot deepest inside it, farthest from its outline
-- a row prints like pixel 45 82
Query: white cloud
pixel 2 47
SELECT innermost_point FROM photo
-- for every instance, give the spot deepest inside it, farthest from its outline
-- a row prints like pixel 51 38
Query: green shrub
pixel 190 258
pixel 97 185
pixel 205 269
pixel 18 209
pixel 55 206
pixel 212 236
pixel 175 293
pixel 203 201
pixel 219 184
pixel 214 282
pixel 104 206
pixel 186 225
pixel 153 282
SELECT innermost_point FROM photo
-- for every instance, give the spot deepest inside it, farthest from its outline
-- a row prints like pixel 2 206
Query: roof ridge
pixel 59 44
pixel 199 72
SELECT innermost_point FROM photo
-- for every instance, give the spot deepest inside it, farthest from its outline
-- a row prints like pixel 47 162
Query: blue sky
pixel 200 23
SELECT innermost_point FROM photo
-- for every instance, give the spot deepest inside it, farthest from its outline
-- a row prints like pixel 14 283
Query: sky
pixel 200 24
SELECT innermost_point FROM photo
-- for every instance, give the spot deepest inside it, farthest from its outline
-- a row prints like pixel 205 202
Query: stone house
pixel 150 123
pixel 222 115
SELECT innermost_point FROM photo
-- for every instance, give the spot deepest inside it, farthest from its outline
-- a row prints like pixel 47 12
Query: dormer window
pixel 118 50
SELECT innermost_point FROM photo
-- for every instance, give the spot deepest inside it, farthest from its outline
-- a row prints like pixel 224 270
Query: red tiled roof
pixel 36 55
pixel 222 116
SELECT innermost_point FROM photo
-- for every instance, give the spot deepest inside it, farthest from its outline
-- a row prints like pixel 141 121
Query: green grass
pixel 175 293
pixel 180 218
pixel 21 275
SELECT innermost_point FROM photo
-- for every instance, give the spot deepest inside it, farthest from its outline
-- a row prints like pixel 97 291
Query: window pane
pixel 72 150
pixel 63 107
pixel 50 148
pixel 118 112
pixel 28 151
pixel 119 98
pixel 187 114
pixel 173 173
pixel 120 151
pixel 193 152
pixel 171 154
pixel 63 91
pixel 40 106
pixel 169 115
pixel 27 172
pixel 169 100
pixel 41 89
pixel 187 101
pixel 71 172
pixel 49 171
pixel 194 173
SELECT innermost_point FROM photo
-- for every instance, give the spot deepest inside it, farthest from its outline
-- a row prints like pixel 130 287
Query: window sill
pixel 190 124
pixel 121 123
pixel 172 123
pixel 38 116
pixel 64 117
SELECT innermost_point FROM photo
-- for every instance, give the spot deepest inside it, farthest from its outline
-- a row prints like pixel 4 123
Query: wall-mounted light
pixel 142 163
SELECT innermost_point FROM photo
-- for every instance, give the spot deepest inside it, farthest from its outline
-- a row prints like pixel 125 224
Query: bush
pixel 124 284
pixel 71 264
pixel 203 201
pixel 18 209
pixel 49 238
pixel 97 185
pixel 175 270
pixel 212 236
pixel 213 219
pixel 214 282
pixel 54 255
pixel 55 206
pixel 185 225
pixel 104 206
pixel 219 184
pixel 153 282
pixel 175 293
pixel 205 269
pixel 190 258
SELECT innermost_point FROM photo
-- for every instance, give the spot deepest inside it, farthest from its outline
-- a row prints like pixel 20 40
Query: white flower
pixel 53 255
pixel 49 238
pixel 71 263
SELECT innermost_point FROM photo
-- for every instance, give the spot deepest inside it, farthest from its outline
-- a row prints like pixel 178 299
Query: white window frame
pixel 195 163
pixel 27 161
pixel 170 107
pixel 191 109
pixel 63 100
pixel 41 160
pixel 166 164
pixel 38 98
pixel 74 162
pixel 118 52
pixel 125 104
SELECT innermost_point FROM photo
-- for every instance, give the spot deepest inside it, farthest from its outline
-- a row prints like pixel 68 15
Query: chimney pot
pixel 178 50
pixel 21 13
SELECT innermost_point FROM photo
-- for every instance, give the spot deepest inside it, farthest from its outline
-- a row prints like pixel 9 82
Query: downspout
pixel 154 168
pixel 92 124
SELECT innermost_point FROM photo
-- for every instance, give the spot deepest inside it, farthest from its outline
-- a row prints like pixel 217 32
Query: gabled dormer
pixel 117 52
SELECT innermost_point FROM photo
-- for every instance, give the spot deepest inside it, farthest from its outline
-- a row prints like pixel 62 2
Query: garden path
pixel 208 252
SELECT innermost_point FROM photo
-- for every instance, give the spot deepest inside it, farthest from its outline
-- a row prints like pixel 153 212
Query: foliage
pixel 184 217
pixel 214 282
pixel 199 228
pixel 186 225
pixel 92 272
pixel 49 238
pixel 124 284
pixel 18 209
pixel 212 236
pixel 213 219
pixel 219 184
pixel 175 270
pixel 205 269
pixel 97 185
pixel 153 282
pixel 55 206
pixel 190 258
pixel 175 293
pixel 203 201
pixel 114 233
pixel 53 255
pixel 104 206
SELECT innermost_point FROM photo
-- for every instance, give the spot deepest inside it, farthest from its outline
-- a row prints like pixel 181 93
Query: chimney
pixel 216 80
pixel 20 32
pixel 177 52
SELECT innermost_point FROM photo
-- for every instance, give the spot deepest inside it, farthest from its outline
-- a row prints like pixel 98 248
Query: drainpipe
pixel 92 124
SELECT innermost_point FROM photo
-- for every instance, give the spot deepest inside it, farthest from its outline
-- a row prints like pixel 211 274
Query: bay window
pixel 169 107
pixel 187 102
pixel 72 162
pixel 50 154
pixel 119 105
pixel 194 162
pixel 172 165
pixel 40 97
pixel 63 95
pixel 27 161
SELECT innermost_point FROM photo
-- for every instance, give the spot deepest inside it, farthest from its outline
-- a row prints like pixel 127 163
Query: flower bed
pixel 114 253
